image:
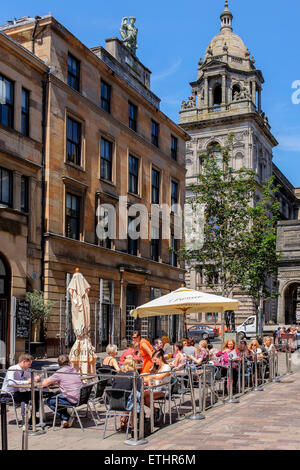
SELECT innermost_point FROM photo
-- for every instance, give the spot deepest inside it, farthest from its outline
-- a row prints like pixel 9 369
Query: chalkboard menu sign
pixel 23 319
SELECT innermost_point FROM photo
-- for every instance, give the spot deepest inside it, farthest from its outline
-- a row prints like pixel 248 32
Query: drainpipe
pixel 37 19
pixel 45 86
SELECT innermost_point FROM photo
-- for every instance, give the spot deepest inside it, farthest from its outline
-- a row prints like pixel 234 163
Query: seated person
pixel 159 381
pixel 70 385
pixel 203 354
pixel 180 359
pixel 255 349
pixel 110 361
pixel 124 381
pixel 20 375
pixel 230 352
pixel 190 349
pixel 268 345
pixel 168 350
pixel 133 351
pixel 158 344
pixel 212 354
pixel 244 350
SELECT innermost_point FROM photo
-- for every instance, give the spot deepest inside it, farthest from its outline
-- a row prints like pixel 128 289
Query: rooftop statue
pixel 129 34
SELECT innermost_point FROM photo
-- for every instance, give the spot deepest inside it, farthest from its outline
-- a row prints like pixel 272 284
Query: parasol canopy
pixel 183 301
pixel 82 354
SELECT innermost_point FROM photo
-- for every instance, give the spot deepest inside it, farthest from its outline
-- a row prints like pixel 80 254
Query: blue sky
pixel 173 35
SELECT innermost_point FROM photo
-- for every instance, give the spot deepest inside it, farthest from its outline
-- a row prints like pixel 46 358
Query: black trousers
pixel 25 397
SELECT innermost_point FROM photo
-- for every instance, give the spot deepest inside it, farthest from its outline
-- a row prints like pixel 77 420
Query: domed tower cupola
pixel 226 18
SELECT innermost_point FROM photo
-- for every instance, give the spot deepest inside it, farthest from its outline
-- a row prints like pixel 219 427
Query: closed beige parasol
pixel 82 354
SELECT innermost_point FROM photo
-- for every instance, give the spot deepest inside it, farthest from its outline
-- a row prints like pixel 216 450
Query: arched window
pixel 235 90
pixel 239 161
pixel 215 149
pixel 217 95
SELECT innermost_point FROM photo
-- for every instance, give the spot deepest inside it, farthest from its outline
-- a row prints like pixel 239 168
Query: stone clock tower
pixel 226 98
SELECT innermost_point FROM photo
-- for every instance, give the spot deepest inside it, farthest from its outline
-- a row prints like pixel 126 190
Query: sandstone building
pixel 22 79
pixel 105 137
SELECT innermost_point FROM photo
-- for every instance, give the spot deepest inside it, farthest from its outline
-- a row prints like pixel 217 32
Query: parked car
pixel 200 332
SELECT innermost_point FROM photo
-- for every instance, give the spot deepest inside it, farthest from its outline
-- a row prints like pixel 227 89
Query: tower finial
pixel 226 18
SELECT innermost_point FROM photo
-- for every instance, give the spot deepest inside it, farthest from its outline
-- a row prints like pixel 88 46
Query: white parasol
pixel 82 354
pixel 183 301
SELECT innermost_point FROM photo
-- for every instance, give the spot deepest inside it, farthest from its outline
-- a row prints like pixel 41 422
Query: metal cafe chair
pixel 98 396
pixel 85 392
pixel 117 406
pixel 170 396
pixel 9 398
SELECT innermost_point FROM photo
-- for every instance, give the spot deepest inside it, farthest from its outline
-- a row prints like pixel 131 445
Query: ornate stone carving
pixel 129 34
pixel 242 95
pixel 190 104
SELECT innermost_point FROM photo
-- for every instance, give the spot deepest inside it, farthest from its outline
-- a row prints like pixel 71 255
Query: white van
pixel 248 328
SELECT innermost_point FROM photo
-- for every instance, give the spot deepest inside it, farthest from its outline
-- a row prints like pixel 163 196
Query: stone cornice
pixel 115 253
pixel 19 158
pixel 231 119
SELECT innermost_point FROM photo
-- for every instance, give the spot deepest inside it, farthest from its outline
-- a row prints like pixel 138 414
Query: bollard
pixel 290 360
pixel 25 430
pixel 3 426
pixel 257 388
pixel 204 389
pixel 195 415
pixel 135 441
pixel 243 376
pixel 287 359
pixel 142 413
pixel 231 398
pixel 276 379
pixel 271 363
pixel 239 378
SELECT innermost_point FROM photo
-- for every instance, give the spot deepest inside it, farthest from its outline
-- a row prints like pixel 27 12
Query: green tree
pixel 39 307
pixel 239 237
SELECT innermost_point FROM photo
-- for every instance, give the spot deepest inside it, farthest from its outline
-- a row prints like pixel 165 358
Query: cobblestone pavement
pixel 262 420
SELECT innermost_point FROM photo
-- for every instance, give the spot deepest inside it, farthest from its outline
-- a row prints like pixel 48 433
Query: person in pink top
pixel 230 353
pixel 70 385
pixel 134 351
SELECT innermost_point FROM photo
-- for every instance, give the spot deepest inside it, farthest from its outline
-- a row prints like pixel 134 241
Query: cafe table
pixel 38 387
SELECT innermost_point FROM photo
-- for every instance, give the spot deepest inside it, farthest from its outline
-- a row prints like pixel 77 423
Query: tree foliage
pixel 39 307
pixel 239 231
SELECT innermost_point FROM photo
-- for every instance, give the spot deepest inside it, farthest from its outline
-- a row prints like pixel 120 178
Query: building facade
pixel 226 98
pixel 22 78
pixel 106 138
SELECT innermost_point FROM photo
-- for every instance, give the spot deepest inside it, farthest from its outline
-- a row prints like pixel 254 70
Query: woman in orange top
pixel 146 351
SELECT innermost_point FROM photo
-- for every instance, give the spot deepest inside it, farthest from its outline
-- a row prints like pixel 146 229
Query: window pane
pixel 73 72
pixel 105 96
pixel 5 186
pixel 6 101
pixel 2 268
pixel 25 113
pixel 74 141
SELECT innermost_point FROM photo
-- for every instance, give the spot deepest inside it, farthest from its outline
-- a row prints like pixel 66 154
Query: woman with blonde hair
pixel 268 344
pixel 124 381
pixel 110 360
pixel 255 349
